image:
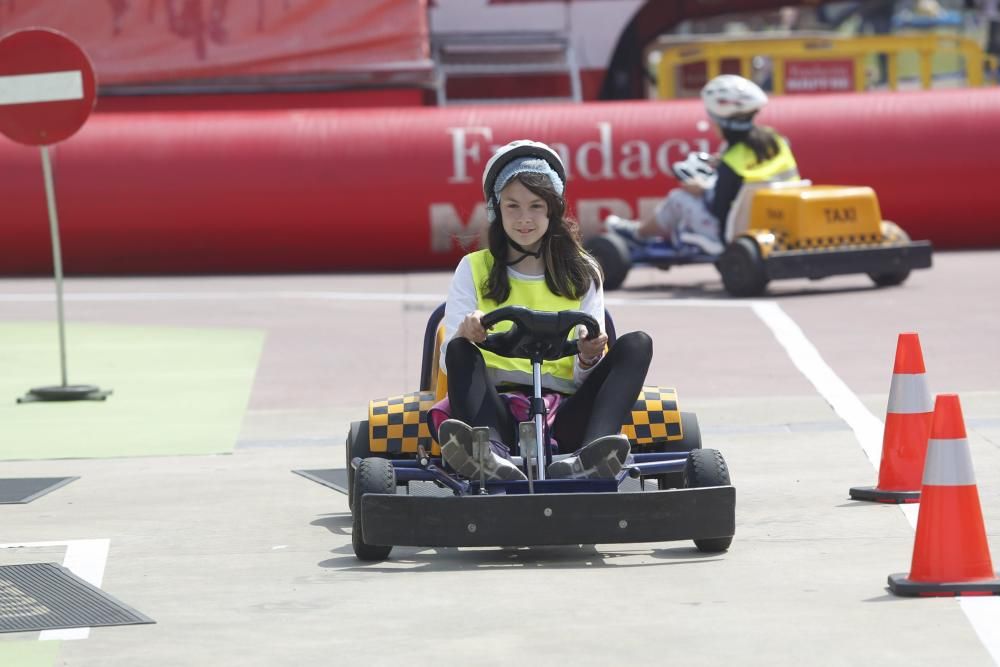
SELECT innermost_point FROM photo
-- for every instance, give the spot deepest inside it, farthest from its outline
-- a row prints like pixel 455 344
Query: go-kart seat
pixel 433 380
pixel 739 213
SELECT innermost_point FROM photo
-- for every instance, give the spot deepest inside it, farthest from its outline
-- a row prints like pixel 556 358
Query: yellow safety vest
pixel 781 167
pixel 533 294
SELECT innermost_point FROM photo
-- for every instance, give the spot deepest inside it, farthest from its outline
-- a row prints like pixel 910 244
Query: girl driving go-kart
pixel 534 260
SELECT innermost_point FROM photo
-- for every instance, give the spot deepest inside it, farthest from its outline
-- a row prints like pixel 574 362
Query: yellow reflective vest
pixel 533 294
pixel 782 167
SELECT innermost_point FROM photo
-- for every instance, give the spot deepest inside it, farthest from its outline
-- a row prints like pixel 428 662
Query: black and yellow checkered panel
pixel 654 417
pixel 783 241
pixel 398 424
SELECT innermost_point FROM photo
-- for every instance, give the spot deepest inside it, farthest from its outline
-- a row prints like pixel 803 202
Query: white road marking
pixel 867 428
pixel 416 297
pixel 984 615
pixel 41 297
pixel 45 87
pixel 84 558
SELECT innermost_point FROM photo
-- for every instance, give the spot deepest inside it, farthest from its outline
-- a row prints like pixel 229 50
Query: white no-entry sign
pixel 47 86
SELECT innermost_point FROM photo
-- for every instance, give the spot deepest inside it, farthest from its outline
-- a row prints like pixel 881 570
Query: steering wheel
pixel 535 335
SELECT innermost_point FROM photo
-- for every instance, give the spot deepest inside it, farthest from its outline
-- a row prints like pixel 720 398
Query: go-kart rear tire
pixel 374 475
pixel 611 252
pixel 691 431
pixel 742 268
pixel 356 447
pixel 706 467
pixel 690 441
pixel 892 278
pixel 889 279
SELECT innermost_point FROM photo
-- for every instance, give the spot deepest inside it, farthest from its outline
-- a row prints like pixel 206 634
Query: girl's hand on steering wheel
pixel 591 349
pixel 471 327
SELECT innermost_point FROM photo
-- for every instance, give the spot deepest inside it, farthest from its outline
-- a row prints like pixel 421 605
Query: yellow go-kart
pixel 785 230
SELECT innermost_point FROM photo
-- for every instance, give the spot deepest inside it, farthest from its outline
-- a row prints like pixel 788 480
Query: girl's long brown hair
pixel 569 270
pixel 763 141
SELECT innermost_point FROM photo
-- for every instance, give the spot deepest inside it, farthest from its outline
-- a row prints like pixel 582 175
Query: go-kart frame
pixel 541 511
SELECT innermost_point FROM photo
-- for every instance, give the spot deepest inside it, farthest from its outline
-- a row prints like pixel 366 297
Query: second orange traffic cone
pixel 950 553
pixel 907 422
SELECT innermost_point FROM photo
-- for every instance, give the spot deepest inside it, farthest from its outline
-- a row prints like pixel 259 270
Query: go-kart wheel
pixel 889 279
pixel 706 467
pixel 690 441
pixel 742 268
pixel 692 434
pixel 611 252
pixel 357 446
pixel 892 278
pixel 373 476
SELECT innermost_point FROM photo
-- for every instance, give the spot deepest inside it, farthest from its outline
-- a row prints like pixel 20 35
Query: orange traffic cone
pixel 907 422
pixel 950 553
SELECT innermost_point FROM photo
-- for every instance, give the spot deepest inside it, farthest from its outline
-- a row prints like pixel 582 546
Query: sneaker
pixel 603 458
pixel 459 451
pixel 626 229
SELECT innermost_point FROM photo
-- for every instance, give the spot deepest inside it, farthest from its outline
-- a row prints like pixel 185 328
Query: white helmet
pixel 697 168
pixel 732 101
pixel 512 151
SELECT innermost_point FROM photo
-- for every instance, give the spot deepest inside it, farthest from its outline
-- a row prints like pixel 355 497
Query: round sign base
pixel 70 392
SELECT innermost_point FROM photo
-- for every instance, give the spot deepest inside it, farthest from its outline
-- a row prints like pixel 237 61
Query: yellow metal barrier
pixel 844 59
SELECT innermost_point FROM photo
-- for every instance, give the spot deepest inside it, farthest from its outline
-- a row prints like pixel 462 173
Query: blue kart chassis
pixel 559 512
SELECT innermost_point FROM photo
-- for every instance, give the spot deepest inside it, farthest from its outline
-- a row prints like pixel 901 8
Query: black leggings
pixel 598 407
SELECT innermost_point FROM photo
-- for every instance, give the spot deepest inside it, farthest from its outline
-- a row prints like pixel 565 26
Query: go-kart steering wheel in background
pixel 536 335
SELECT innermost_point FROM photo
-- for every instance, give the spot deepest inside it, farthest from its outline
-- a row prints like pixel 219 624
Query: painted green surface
pixel 21 653
pixel 176 391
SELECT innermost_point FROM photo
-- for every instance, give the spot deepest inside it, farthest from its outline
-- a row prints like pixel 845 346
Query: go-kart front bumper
pixel 549 518
pixel 821 263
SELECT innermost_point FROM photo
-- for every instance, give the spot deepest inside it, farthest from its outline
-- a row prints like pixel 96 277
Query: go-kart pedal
pixel 461 452
pixel 603 458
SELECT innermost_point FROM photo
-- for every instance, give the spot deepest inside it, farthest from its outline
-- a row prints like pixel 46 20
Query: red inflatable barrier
pixel 376 189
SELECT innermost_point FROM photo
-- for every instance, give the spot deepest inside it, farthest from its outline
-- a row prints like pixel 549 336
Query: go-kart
pixel 679 491
pixel 783 230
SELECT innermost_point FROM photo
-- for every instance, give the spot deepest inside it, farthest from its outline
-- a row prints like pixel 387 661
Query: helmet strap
pixel 524 253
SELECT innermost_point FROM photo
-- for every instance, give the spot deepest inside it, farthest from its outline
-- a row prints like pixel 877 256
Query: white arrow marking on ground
pixel 47 87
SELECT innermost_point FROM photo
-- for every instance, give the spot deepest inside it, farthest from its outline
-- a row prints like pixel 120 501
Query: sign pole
pixel 50 198
pixel 64 391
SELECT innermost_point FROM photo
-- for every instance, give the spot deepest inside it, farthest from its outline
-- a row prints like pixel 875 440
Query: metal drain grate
pixel 27 489
pixel 335 478
pixel 47 596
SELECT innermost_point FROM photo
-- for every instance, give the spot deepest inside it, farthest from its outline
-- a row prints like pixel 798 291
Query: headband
pixel 526 165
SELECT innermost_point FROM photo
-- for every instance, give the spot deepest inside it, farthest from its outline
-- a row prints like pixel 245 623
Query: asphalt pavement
pixel 186 508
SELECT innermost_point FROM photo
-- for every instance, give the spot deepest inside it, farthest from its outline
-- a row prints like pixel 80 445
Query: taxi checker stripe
pixel 948 463
pixel 909 394
pixel 44 87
